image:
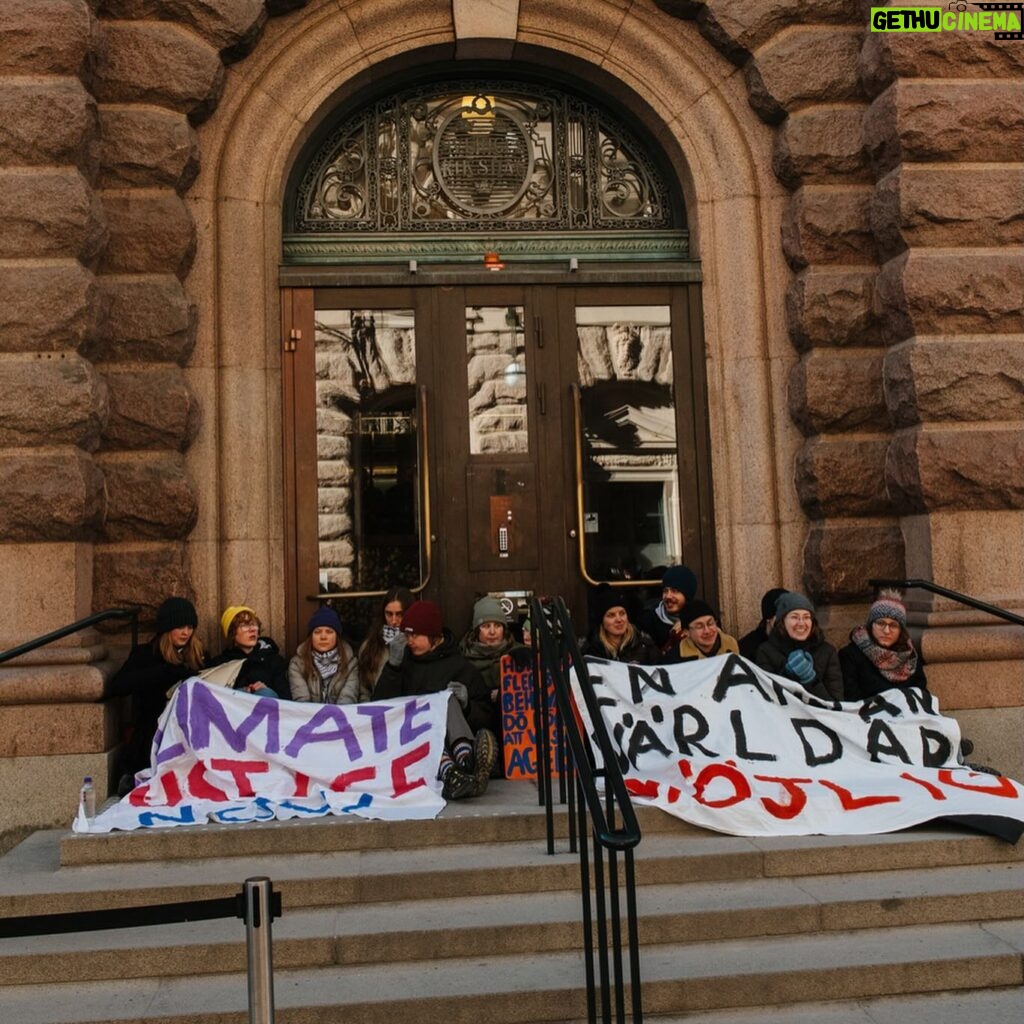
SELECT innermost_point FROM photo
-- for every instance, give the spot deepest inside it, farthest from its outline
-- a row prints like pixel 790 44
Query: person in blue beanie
pixel 323 669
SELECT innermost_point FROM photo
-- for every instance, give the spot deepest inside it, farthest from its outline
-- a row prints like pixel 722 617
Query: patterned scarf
pixel 896 665
pixel 326 663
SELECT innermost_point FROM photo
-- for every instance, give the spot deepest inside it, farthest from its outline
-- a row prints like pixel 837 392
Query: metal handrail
pixel 74 627
pixel 555 659
pixel 954 595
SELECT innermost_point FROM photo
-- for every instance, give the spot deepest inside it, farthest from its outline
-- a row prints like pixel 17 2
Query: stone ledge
pixel 81 683
pixel 48 729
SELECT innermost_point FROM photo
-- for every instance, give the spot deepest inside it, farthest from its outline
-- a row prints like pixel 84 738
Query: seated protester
pixel 324 669
pixel 660 621
pixel 881 654
pixel 263 671
pixel 383 631
pixel 757 636
pixel 153 668
pixel 614 637
pixel 431 663
pixel 703 638
pixel 797 649
pixel 488 641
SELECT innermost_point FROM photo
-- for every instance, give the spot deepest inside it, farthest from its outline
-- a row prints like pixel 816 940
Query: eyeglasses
pixel 887 625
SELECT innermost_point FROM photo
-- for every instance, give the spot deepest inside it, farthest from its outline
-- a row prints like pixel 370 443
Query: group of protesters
pixel 787 641
pixel 409 651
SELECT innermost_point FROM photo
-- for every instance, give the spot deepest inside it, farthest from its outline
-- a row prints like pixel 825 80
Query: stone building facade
pixel 856 200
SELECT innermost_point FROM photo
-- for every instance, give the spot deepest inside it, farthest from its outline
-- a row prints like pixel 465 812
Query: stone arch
pixel 268 108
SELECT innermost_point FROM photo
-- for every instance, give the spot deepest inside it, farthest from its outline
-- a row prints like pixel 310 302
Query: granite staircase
pixel 467 919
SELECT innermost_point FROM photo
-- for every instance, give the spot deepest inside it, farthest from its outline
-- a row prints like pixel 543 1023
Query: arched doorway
pixel 493 368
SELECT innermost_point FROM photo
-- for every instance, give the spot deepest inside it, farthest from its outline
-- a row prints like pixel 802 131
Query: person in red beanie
pixel 431 663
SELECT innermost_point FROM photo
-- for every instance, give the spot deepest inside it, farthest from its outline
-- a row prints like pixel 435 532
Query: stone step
pixel 389 932
pixel 529 988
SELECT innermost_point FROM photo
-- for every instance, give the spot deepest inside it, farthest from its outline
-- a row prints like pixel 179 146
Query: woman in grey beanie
pixel 797 649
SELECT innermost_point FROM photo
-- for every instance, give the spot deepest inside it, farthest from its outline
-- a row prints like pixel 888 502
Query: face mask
pixel 388 633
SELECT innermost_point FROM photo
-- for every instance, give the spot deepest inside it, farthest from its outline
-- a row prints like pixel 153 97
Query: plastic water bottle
pixel 87 798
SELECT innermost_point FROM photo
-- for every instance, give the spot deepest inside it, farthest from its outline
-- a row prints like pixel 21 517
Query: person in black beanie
pixel 757 636
pixel 704 637
pixel 660 621
pixel 152 668
pixel 614 637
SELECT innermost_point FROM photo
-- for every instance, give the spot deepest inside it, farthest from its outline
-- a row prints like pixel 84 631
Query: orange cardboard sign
pixel 517 722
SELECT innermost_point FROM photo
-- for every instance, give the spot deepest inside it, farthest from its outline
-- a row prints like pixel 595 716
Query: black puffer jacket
pixel 263 664
pixel 431 673
pixel 828 676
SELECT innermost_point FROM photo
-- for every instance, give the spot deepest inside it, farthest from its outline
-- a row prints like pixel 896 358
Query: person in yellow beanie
pixel 264 672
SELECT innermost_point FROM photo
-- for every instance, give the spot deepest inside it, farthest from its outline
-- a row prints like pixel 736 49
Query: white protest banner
pixel 725 745
pixel 226 756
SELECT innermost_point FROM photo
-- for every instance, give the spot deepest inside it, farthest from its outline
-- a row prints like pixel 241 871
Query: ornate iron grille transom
pixel 480 156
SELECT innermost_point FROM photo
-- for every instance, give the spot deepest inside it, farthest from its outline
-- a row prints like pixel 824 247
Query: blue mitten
pixel 800 665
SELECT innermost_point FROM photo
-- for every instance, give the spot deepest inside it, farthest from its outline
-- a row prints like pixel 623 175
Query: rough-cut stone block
pixel 158 63
pixel 840 477
pixel 738 27
pixel 920 122
pixel 46 307
pixel 149 496
pixel 886 56
pixel 49 495
pixel 833 391
pixel 231 25
pixel 832 306
pixel 840 557
pixel 927 292
pixel 141 574
pixel 44 36
pixel 933 467
pixel 944 206
pixel 147 146
pixel 150 320
pixel 48 213
pixel 50 399
pixel 821 145
pixel 955 379
pixel 151 232
pixel 781 78
pixel 829 224
pixel 57 683
pixel 47 122
pixel 150 407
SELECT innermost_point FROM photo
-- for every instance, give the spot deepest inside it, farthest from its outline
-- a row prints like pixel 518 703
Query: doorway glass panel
pixel 367 452
pixel 630 461
pixel 496 374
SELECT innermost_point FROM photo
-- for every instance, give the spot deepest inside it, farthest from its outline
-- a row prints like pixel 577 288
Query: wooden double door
pixel 491 438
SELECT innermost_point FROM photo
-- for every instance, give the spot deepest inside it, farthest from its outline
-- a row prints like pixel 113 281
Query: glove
pixel 461 693
pixel 396 649
pixel 800 665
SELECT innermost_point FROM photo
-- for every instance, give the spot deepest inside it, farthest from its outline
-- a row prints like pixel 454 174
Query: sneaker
pixel 458 784
pixel 485 753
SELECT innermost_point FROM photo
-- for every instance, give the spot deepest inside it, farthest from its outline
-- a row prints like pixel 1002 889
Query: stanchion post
pixel 256 895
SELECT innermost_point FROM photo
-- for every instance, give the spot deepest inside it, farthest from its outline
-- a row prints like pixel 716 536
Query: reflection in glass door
pixel 631 505
pixel 367 452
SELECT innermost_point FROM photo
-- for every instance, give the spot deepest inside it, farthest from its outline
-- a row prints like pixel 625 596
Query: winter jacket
pixel 341 688
pixel 487 660
pixel 828 677
pixel 665 636
pixel 724 644
pixel 147 678
pixel 750 642
pixel 862 680
pixel 641 650
pixel 263 664
pixel 431 673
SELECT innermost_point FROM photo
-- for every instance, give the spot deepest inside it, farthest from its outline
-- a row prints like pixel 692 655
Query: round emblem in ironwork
pixel 483 158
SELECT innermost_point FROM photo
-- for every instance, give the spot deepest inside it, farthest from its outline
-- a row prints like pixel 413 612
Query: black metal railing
pixel 586 763
pixel 132 614
pixel 953 595
pixel 257 905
